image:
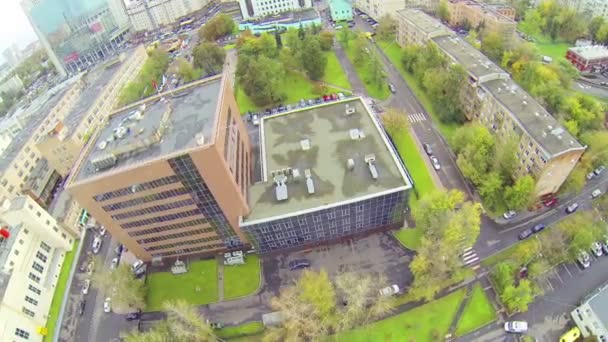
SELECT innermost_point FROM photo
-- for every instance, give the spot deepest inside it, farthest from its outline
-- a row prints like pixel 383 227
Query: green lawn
pixel 363 72
pixel 229 46
pixel 429 322
pixel 163 286
pixel 334 73
pixel 500 256
pixel 409 237
pixel 247 329
pixel 296 85
pixel 242 280
pixel 59 292
pixel 546 47
pixel 393 52
pixel 477 313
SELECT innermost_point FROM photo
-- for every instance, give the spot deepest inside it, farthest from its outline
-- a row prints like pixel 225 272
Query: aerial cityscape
pixel 304 170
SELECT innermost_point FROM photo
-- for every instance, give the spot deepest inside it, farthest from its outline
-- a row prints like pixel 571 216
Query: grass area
pixel 242 280
pixel 247 329
pixel 297 86
pixel 429 322
pixel 477 313
pixel 363 72
pixel 547 47
pixel 409 237
pixel 393 52
pixel 59 292
pixel 500 256
pixel 229 46
pixel 163 286
pixel 334 73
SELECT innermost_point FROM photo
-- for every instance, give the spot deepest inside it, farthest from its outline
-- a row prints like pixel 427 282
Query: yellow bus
pixel 571 335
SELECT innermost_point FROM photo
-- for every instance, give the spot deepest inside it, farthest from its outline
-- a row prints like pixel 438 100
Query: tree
pixel 409 56
pixel 345 35
pixel 504 275
pixel 444 87
pixel 493 45
pixel 517 298
pixel 491 190
pixel 326 39
pixel 395 121
pixel 126 292
pixel 361 49
pixel 387 26
pixel 474 146
pixel 377 75
pixel 595 25
pixel 186 71
pixel 262 80
pixel 209 57
pixel 434 210
pixel 505 158
pixel 277 38
pixel 312 58
pixel 521 194
pixel 217 27
pixel 532 23
pixel 601 207
pixel 601 36
pixel 301 32
pixel 442 11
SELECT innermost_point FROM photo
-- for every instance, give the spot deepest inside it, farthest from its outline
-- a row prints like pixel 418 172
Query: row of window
pixel 146 199
pixel 181 243
pixel 136 188
pixel 191 250
pixel 176 235
pixel 22 333
pixel 159 219
pixel 154 209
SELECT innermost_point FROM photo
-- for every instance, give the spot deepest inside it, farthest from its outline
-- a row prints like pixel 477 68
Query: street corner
pixel 550 327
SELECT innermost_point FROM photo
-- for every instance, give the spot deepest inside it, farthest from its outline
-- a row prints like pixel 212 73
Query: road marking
pixel 470 257
pixel 567 270
pixel 416 117
pixel 468 249
pixel 549 283
pixel 476 267
pixel 558 276
pixel 471 261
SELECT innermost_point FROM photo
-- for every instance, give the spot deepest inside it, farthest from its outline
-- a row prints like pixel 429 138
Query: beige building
pixel 416 27
pixel 546 150
pixel 32 250
pixel 148 15
pixel 170 177
pixel 98 92
pixel 378 8
pixel 494 18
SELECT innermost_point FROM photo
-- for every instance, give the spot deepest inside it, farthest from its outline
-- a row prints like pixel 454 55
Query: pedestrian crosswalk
pixel 416 117
pixel 470 258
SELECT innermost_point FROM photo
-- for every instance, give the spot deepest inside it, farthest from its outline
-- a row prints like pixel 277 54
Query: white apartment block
pixel 379 8
pixel 148 15
pixel 30 262
pixel 261 8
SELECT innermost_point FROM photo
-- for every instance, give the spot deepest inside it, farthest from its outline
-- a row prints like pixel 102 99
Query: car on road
pixel 537 228
pixel 302 103
pixel 596 248
pixel 599 170
pixel 85 286
pixel 571 335
pixel 428 149
pixel 81 306
pixel 107 307
pixel 326 98
pixel 525 234
pixel 590 175
pixel 596 193
pixel 435 163
pixel 550 202
pixel 102 231
pixel 131 316
pixel 255 120
pixel 389 290
pixel 516 326
pixel 392 88
pixel 571 208
pixel 114 263
pixel 96 244
pixel 90 267
pixel 509 214
pixel 298 264
pixel 584 259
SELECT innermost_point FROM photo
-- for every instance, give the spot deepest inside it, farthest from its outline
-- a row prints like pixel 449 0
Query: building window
pixel 31 300
pixel 45 247
pixel 37 267
pixel 41 256
pixel 316 219
pixel 25 231
pixel 34 277
pixel 16 252
pixel 22 333
pixel 27 311
pixel 34 289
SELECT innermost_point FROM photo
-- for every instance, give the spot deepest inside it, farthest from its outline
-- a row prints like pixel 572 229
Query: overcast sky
pixel 14 26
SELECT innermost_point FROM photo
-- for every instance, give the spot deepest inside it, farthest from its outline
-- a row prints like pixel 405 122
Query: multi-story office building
pixel 261 8
pixel 32 250
pixel 591 316
pixel 494 18
pixel 546 149
pixel 328 173
pixel 379 8
pixel 149 15
pixel 77 33
pixel 98 90
pixel 340 10
pixel 170 177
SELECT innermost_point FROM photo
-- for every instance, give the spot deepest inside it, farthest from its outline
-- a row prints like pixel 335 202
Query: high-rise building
pixel 379 8
pixel 77 33
pixel 258 8
pixel 148 15
pixel 33 247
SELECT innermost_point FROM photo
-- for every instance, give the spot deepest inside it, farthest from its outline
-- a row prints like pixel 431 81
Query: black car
pixel 319 100
pixel 537 228
pixel 133 315
pixel 525 234
pixel 268 111
pixel 298 264
pixel 118 249
pixel 81 306
pixel 427 149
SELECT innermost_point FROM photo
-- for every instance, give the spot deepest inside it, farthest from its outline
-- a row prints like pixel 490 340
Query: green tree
pixel 186 71
pixel 377 75
pixel 442 11
pixel 521 194
pixel 517 298
pixel 326 39
pixel 262 80
pixel 312 58
pixel 493 45
pixel 582 112
pixel 555 245
pixel 345 35
pixel 395 121
pixel 433 211
pixel 387 26
pixel 505 159
pixel 504 275
pixel 409 56
pixel 277 38
pixel 217 27
pixel 125 291
pixel 601 36
pixel 474 146
pixel 532 23
pixel 361 50
pixel 491 190
pixel 595 25
pixel 209 57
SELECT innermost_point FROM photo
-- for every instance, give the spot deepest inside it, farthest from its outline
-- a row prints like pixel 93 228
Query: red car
pixel 326 98
pixel 550 202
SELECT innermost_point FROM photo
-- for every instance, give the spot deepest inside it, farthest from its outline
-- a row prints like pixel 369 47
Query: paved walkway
pixel 220 277
pixel 349 69
pixel 460 311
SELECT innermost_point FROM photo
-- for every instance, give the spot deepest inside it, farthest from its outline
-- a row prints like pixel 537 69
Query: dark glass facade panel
pixel 169 227
pixel 328 224
pixel 182 243
pixel 133 188
pixel 176 235
pixel 146 199
pixel 191 250
pixel 154 209
pixel 159 219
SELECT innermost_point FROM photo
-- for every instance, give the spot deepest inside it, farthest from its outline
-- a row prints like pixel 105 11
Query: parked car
pixel 319 100
pixel 107 307
pixel 341 96
pixel 326 98
pixel 133 315
pixel 537 228
pixel 298 264
pixel 584 259
pixel 90 267
pixel 333 96
pixel 102 231
pixel 525 234
pixel 590 175
pixel 428 149
pixel 571 208
pixel 302 103
pixel 389 290
pixel 596 248
pixel 311 102
pixel 255 120
pixel 96 244
pixel 81 305
pixel 605 245
pixel 85 286
pixel 551 202
pixel 516 326
pixel 114 263
pixel 596 193
pixel 509 214
pixel 118 249
pixel 599 170
pixel 435 163
pixel 392 88
pixel 136 265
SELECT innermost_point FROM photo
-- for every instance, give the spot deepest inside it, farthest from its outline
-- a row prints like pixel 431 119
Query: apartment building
pixel 340 10
pixel 590 316
pixel 416 27
pixel 170 177
pixel 32 250
pixel 379 8
pixel 493 18
pixel 546 150
pixel 328 174
pixel 99 90
pixel 261 8
pixel 149 15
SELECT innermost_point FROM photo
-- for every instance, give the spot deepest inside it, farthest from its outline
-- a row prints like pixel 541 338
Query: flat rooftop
pixel 423 21
pixel 533 117
pixel 592 315
pixel 179 119
pixel 328 131
pixel 286 17
pixel 591 52
pixel 468 56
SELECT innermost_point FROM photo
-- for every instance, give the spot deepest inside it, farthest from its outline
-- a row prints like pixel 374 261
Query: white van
pixel 96 244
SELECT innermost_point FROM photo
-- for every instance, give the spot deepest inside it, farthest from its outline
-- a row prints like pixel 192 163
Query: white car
pixel 102 231
pixel 90 268
pixel 137 264
pixel 114 263
pixel 389 290
pixel 584 259
pixel 596 248
pixel 435 163
pixel 96 245
pixel 106 305
pixel 255 120
pixel 596 193
pixel 85 286
pixel 509 214
pixel 516 326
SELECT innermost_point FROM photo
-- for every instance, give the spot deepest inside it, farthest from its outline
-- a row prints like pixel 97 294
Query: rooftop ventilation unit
pixel 350 111
pixel 102 145
pixel 524 102
pixel 295 173
pixel 350 164
pixel 310 185
pixel 200 139
pixel 104 161
pixel 558 131
pixel 281 188
pixel 370 159
pixel 356 134
pixel 305 144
